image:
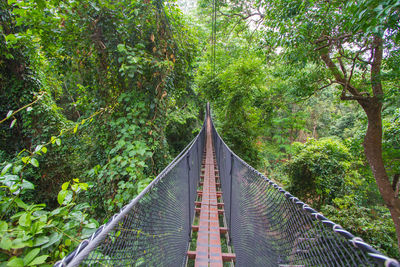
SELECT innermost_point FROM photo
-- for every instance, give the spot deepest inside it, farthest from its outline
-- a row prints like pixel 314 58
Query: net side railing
pixel 270 227
pixel 154 228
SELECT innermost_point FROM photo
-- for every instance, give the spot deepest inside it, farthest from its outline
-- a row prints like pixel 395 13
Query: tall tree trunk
pixel 373 152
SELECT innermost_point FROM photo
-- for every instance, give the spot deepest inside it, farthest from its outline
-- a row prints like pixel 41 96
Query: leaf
pixel 53 139
pixel 12 38
pixel 121 48
pixel 34 162
pixel 21 204
pixel 3 227
pixel 25 159
pixel 54 238
pixel 86 232
pixel 19 243
pixel 44 149
pixel 29 109
pixel 9 114
pixel 68 197
pixel 41 240
pixel 76 128
pixel 65 186
pixel 75 187
pixel 91 225
pixel 39 260
pixel 31 255
pixel 25 219
pixel 13 123
pixel 5 243
pixel 58 142
pixel 61 196
pixel 15 262
pixel 140 262
pixel 84 186
pixel 27 185
pixel 38 148
pixel 17 169
pixel 6 168
pixel 82 206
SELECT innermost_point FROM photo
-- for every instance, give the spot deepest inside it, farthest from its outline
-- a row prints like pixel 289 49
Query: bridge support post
pixel 189 196
pixel 230 201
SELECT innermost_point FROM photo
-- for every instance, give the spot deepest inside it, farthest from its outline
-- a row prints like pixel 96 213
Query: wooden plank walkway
pixel 208 250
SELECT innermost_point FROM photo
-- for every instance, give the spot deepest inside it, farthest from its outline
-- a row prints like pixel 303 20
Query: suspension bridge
pixel 210 208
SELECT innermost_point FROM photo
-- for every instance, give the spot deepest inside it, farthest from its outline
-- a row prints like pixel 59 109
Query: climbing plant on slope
pixel 106 72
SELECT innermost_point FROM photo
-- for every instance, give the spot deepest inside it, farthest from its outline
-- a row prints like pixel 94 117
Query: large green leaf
pixel 15 262
pixel 61 196
pixel 54 238
pixel 27 185
pixel 31 255
pixel 39 260
pixel 25 219
pixel 3 227
pixel 41 240
pixel 6 168
pixel 5 242
pixel 34 162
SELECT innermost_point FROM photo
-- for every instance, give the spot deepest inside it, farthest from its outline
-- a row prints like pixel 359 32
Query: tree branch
pixel 24 107
pixel 338 76
pixel 242 16
pixel 329 84
pixel 376 66
pixel 354 97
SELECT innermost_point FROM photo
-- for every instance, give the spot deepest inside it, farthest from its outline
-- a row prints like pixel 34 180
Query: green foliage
pixel 373 224
pixel 182 126
pixel 240 86
pixel 238 94
pixel 32 235
pixel 319 170
pixel 391 143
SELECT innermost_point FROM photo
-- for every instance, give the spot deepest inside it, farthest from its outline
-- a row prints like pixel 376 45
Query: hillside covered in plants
pixel 97 97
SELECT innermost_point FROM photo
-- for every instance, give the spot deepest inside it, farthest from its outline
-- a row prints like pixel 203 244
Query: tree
pixel 318 170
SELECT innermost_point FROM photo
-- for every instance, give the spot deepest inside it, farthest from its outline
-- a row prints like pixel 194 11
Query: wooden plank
pixel 228 257
pixel 191 254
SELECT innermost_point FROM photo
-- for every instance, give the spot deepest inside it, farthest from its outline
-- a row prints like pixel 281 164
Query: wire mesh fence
pixel 270 227
pixel 154 229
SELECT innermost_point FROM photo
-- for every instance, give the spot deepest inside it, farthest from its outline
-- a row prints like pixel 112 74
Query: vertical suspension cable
pixel 215 31
pixel 213 36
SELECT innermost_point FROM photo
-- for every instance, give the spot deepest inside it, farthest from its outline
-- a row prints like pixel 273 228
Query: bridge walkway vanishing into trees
pixel 181 219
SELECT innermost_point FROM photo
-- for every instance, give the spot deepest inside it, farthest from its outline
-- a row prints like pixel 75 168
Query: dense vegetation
pixel 98 96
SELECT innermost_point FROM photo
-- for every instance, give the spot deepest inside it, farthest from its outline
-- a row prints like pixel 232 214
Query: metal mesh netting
pixel 270 227
pixel 154 229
